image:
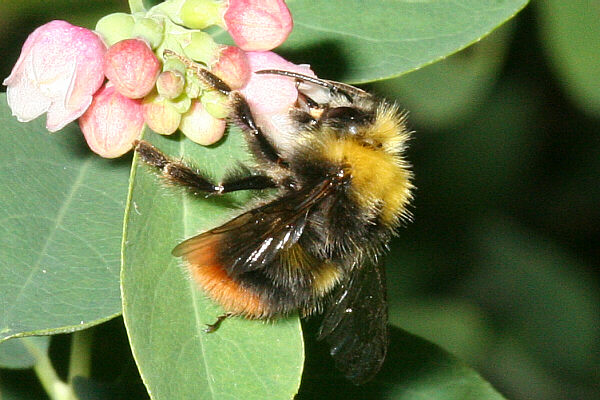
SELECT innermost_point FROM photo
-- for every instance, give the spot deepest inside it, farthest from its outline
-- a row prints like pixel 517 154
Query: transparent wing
pixel 355 325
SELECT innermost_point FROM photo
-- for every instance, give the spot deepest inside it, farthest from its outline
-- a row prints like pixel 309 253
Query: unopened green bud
pixel 215 103
pixel 193 84
pixel 199 14
pixel 115 27
pixel 182 103
pixel 150 29
pixel 201 47
pixel 174 64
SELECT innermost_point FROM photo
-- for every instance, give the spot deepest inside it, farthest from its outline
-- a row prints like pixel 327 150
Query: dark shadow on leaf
pixel 326 58
pixel 410 360
pixel 72 138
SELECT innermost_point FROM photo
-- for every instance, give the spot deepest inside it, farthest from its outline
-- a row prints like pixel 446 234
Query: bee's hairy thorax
pixel 366 162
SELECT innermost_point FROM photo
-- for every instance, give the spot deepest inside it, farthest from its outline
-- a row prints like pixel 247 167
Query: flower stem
pixel 80 358
pixel 136 6
pixel 54 387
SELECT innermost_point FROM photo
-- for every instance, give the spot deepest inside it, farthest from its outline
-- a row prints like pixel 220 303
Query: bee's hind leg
pixel 210 328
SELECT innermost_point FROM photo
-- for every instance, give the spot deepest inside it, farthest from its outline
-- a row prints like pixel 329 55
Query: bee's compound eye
pixel 345 114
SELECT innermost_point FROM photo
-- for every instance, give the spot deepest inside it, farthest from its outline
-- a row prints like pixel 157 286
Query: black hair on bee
pixel 343 188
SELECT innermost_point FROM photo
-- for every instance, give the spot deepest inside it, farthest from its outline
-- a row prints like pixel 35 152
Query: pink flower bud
pixel 170 84
pixel 160 115
pixel 112 122
pixel 132 67
pixel 201 127
pixel 271 94
pixel 258 25
pixel 58 71
pixel 232 67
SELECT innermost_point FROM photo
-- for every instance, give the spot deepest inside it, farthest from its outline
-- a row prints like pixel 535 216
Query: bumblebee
pixel 342 188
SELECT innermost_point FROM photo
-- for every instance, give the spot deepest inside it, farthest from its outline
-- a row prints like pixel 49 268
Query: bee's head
pixel 347 120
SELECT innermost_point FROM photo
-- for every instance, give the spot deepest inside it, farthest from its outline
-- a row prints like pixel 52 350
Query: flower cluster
pixel 136 70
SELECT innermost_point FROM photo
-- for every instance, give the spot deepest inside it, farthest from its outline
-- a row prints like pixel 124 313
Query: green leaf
pixel 14 353
pixel 165 312
pixel 62 213
pixel 24 353
pixel 570 32
pixel 443 94
pixel 415 369
pixel 456 326
pixel 546 297
pixel 358 41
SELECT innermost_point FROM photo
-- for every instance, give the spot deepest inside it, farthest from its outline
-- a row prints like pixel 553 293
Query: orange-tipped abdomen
pixel 206 269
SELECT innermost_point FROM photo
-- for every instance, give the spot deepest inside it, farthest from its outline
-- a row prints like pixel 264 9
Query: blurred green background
pixel 500 266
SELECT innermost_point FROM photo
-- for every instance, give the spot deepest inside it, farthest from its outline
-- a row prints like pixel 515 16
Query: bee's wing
pixel 355 325
pixel 253 239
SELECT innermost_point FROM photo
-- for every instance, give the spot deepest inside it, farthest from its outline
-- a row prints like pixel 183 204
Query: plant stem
pixel 136 6
pixel 54 387
pixel 80 358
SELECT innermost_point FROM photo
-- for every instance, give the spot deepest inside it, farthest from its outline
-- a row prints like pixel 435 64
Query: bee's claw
pixel 210 328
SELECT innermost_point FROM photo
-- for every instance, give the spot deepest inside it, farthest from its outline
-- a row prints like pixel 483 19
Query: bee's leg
pixel 209 78
pixel 180 174
pixel 305 101
pixel 260 145
pixel 250 182
pixel 307 111
pixel 213 81
pixel 210 328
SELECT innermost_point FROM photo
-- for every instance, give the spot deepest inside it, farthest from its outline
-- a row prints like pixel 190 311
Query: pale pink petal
pixel 26 111
pixel 271 94
pixel 58 71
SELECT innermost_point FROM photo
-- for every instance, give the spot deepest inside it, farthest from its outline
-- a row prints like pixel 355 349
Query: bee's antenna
pixel 301 77
pixel 336 87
